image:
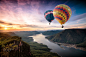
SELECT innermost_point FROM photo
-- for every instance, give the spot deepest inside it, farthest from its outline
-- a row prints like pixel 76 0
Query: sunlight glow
pixel 5 28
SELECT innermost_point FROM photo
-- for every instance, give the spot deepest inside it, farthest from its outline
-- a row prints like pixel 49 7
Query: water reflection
pixel 59 49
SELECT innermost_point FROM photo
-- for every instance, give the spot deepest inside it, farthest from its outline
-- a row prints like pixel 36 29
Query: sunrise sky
pixel 28 15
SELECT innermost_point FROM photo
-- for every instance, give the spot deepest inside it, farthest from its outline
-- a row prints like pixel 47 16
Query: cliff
pixel 13 46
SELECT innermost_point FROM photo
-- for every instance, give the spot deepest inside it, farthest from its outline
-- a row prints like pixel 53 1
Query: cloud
pixel 33 26
pixel 79 17
pixel 1 27
pixel 2 22
pixel 21 26
pixel 66 1
pixel 19 14
pixel 30 14
pixel 76 26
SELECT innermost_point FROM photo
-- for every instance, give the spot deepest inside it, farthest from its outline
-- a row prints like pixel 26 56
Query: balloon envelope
pixel 62 13
pixel 49 15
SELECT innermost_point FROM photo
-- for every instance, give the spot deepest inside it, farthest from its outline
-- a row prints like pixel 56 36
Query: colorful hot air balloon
pixel 62 13
pixel 49 16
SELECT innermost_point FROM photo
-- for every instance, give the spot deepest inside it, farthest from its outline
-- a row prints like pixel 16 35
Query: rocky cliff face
pixel 13 46
pixel 71 36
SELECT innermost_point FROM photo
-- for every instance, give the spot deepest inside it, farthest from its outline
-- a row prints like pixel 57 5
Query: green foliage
pixel 10 45
pixel 15 46
pixel 83 44
pixel 70 36
pixel 40 50
pixel 9 48
pixel 3 46
pixel 37 50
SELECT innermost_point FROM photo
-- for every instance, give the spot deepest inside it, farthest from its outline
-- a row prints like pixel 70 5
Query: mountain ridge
pixel 70 36
pixel 51 32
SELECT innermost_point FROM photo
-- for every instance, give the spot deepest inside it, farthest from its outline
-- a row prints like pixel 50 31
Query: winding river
pixel 61 50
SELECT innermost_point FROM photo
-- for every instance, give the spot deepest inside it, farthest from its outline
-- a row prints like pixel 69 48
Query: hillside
pixel 70 36
pixel 52 32
pixel 13 46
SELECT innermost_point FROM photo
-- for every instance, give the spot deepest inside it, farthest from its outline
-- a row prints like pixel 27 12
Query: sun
pixel 5 28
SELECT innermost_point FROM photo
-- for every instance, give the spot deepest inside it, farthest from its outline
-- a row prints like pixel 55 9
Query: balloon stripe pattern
pixel 49 15
pixel 62 13
pixel 51 12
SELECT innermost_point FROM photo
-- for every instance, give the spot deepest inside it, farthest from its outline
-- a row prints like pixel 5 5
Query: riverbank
pixel 37 49
pixel 69 45
pixel 41 50
pixel 55 48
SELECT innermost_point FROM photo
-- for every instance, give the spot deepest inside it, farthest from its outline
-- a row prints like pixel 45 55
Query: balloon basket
pixel 62 26
pixel 49 23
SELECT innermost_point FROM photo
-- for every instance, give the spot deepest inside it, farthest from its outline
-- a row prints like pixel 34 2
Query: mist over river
pixel 61 50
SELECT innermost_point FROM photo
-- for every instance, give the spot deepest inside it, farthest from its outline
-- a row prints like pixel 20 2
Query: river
pixel 61 50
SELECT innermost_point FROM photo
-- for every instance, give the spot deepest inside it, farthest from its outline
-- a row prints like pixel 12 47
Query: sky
pixel 28 15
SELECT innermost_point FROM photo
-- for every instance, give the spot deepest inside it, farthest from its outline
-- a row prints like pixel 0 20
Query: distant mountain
pixel 52 32
pixel 71 36
pixel 10 33
pixel 26 33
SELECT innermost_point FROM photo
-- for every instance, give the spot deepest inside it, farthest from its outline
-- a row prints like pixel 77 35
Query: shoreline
pixel 40 45
pixel 70 45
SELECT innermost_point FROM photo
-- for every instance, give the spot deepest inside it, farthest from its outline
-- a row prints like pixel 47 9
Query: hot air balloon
pixel 49 16
pixel 62 13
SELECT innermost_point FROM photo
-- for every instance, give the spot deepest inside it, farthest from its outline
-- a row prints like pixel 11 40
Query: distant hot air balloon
pixel 49 16
pixel 62 13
